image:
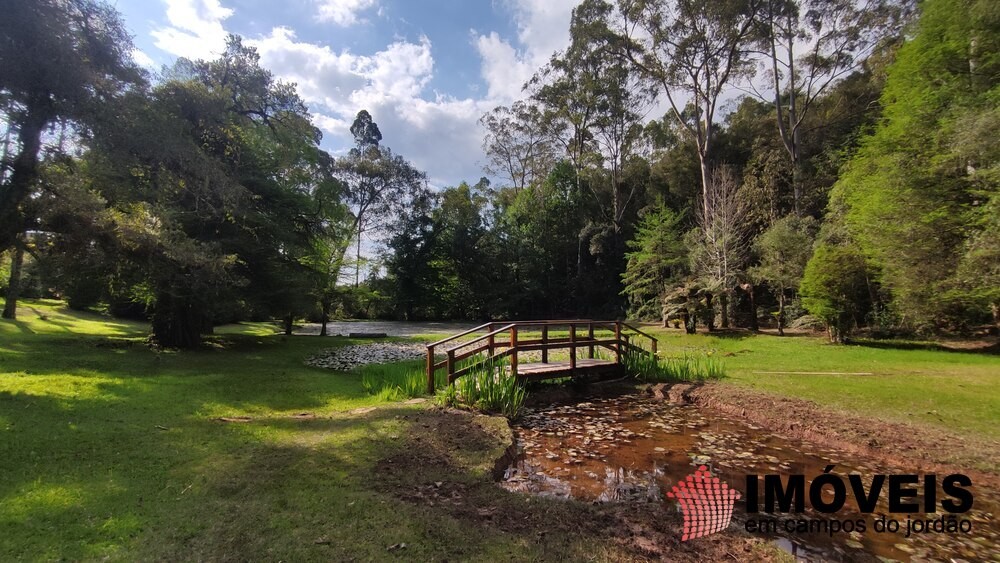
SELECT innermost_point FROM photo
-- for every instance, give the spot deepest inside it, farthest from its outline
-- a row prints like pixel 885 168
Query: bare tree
pixel 721 243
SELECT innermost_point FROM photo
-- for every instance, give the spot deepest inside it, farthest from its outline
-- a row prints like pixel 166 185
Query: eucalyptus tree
pixel 806 46
pixel 519 144
pixel 694 51
pixel 377 182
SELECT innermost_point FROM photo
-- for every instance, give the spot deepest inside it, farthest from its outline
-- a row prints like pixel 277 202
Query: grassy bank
pixel 921 383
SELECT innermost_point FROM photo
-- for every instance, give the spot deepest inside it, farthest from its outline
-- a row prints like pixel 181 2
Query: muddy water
pixel 633 449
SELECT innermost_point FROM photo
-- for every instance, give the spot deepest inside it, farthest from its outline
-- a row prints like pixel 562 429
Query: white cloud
pixel 195 30
pixel 543 28
pixel 343 12
pixel 503 68
pixel 142 59
pixel 441 136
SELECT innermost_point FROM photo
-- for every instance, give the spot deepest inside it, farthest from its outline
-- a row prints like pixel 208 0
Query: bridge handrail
pixel 512 346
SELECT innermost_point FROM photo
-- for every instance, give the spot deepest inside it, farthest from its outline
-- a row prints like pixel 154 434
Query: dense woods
pixel 740 163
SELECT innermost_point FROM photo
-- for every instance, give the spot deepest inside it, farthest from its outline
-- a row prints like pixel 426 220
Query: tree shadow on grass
pixel 981 348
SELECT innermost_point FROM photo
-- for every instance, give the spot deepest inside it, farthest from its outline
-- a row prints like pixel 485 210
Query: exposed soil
pixel 924 449
pixel 448 464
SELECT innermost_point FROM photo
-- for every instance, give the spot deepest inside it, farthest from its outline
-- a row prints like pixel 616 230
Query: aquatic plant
pixel 487 387
pixel 688 368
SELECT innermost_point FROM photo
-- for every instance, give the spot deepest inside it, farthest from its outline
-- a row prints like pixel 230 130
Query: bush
pixel 835 288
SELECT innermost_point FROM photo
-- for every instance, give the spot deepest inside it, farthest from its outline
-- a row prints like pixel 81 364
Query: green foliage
pixel 920 187
pixel 784 249
pixel 657 259
pixel 489 387
pixel 686 368
pixel 396 381
pixel 836 289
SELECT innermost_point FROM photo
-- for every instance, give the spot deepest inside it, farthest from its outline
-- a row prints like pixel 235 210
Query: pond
pixel 632 448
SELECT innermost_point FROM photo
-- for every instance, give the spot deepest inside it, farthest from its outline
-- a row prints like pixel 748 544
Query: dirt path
pixel 904 445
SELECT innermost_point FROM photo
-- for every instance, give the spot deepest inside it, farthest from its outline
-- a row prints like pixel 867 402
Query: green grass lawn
pixel 109 449
pixel 112 450
pixel 954 390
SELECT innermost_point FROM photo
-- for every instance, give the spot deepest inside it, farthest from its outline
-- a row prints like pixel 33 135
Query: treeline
pixel 818 162
pixel 197 198
pixel 850 181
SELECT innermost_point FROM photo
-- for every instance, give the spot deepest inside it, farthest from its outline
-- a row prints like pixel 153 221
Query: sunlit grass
pixel 954 390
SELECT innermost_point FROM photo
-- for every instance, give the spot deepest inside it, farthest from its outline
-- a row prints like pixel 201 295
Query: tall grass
pixel 688 368
pixel 397 381
pixel 488 387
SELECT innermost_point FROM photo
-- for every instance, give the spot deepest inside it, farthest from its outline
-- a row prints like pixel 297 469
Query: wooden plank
pixel 430 370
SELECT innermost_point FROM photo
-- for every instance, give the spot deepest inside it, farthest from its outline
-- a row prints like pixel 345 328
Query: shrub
pixel 835 288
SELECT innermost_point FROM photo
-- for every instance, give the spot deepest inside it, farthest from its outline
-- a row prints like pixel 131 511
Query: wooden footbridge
pixel 491 342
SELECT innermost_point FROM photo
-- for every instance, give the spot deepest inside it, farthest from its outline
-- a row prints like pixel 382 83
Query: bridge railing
pixel 496 340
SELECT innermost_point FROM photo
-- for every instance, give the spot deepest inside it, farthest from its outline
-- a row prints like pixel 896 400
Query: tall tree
pixel 62 60
pixel 807 45
pixel 691 49
pixel 518 144
pixel 378 182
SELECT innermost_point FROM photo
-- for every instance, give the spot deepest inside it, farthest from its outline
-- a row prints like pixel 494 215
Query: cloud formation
pixel 195 30
pixel 343 12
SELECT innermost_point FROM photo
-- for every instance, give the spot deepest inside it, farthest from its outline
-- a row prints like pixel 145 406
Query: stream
pixel 633 448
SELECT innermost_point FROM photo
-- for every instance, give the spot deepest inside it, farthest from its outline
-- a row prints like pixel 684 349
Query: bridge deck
pixel 562 369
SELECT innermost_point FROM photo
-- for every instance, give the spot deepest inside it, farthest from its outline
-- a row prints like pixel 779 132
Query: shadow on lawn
pixel 982 348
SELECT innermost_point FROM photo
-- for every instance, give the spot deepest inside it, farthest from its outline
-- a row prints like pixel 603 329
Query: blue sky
pixel 426 70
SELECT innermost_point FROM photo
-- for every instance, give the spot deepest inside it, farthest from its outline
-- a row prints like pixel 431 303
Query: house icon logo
pixel 706 502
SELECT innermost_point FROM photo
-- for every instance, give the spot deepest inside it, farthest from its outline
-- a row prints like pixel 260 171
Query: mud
pixel 627 450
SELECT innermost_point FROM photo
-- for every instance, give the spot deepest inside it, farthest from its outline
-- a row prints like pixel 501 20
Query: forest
pixel 734 164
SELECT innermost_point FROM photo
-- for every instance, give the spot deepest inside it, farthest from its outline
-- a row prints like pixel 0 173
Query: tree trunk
pixel 690 321
pixel 177 323
pixel 14 288
pixel 289 323
pixel 325 319
pixel 781 312
pixel 724 308
pixel 748 287
pixel 357 263
pixel 23 176
pixel 710 313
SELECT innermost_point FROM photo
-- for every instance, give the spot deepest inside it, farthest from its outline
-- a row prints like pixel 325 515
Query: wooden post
pixel 513 349
pixel 430 370
pixel 590 335
pixel 654 346
pixel 545 341
pixel 572 349
pixel 451 364
pixel 492 339
pixel 618 342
